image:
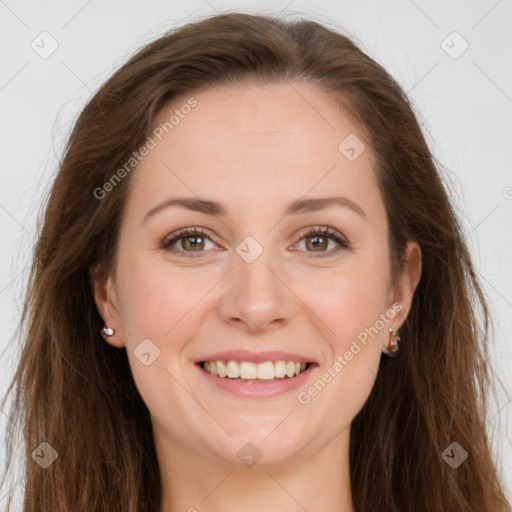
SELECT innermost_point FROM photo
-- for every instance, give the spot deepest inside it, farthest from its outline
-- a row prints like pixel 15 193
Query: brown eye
pixel 317 240
pixel 192 240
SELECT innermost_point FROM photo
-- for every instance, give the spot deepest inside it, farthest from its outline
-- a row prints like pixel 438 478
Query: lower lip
pixel 258 389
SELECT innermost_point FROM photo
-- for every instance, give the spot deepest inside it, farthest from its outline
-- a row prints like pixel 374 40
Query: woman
pixel 320 350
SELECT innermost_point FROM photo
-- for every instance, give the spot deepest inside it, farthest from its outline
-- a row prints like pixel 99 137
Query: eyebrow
pixel 217 209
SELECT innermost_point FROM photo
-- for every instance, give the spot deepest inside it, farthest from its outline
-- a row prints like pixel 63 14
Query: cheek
pixel 164 305
pixel 156 304
pixel 154 299
pixel 350 308
pixel 351 304
pixel 348 301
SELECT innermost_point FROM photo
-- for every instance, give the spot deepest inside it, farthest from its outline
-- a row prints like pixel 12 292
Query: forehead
pixel 255 114
pixel 261 145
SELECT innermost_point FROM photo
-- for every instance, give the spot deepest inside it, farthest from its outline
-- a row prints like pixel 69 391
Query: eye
pixel 317 239
pixel 192 240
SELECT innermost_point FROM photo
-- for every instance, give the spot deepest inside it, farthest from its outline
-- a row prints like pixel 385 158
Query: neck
pixel 194 481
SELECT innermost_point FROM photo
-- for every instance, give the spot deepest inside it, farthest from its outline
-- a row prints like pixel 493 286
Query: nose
pixel 257 297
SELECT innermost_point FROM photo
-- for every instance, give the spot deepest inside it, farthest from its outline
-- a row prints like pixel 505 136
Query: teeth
pixel 280 367
pixel 248 370
pixel 221 368
pixel 233 370
pixel 268 370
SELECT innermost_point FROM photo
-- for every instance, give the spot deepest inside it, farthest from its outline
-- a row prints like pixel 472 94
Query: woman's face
pixel 254 279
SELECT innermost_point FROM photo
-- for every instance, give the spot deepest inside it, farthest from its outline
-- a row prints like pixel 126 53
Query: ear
pixel 405 285
pixel 106 303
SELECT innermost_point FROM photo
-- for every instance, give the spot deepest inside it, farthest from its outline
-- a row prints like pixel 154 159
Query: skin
pixel 255 149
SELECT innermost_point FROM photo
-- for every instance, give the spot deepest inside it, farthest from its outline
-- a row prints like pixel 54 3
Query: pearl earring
pixel 106 332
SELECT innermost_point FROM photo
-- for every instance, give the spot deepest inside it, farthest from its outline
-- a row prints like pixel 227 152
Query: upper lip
pixel 255 357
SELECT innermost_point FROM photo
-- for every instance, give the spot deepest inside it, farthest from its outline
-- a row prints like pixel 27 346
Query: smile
pixel 247 379
pixel 254 372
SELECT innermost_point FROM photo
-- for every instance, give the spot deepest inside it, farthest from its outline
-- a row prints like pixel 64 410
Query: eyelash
pixel 324 231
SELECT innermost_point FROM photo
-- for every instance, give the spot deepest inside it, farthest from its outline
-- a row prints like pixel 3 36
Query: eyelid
pixel 326 230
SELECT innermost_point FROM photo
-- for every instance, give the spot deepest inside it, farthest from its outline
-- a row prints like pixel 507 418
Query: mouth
pixel 251 372
pixel 258 375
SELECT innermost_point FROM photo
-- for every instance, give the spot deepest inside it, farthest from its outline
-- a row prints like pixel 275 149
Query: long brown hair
pixel 76 392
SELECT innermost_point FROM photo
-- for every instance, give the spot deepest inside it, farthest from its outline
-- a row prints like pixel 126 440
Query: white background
pixel 464 105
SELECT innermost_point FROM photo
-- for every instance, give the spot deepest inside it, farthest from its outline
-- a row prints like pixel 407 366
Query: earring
pixel 392 349
pixel 106 332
